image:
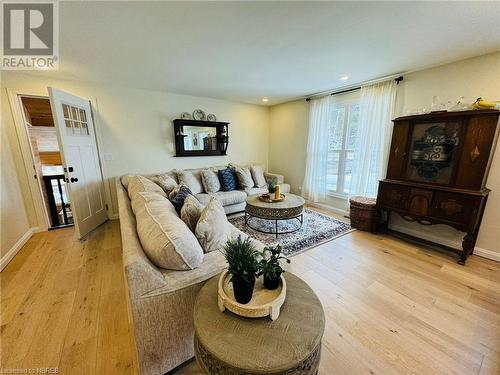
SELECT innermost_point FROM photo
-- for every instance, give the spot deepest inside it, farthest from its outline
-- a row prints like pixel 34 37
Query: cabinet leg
pixel 467 247
pixel 375 223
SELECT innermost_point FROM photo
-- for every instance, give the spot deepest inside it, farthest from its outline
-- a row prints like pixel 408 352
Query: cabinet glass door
pixel 433 152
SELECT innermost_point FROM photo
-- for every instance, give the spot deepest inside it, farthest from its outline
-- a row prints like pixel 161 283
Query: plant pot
pixel 243 290
pixel 271 283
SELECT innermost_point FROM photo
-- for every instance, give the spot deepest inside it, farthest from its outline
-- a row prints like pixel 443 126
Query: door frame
pixel 36 197
pixel 42 220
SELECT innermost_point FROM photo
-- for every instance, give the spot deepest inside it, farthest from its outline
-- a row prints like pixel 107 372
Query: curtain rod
pixel 397 79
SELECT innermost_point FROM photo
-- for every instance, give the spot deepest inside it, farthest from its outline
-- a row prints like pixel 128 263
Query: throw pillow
pixel 210 181
pixel 191 212
pixel 244 177
pixel 166 240
pixel 138 201
pixel 258 175
pixel 213 230
pixel 192 179
pixel 228 179
pixel 139 184
pixel 180 197
pixel 126 179
pixel 166 182
pixel 174 192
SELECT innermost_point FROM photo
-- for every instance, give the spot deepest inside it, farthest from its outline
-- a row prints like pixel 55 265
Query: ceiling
pixel 244 51
pixel 37 111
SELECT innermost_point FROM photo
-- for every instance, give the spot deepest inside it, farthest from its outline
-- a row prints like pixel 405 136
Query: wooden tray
pixel 269 198
pixel 264 302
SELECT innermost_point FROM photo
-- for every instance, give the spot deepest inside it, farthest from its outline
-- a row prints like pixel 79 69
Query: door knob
pixel 74 179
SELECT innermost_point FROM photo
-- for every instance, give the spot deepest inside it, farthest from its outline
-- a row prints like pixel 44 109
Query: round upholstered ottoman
pixel 228 344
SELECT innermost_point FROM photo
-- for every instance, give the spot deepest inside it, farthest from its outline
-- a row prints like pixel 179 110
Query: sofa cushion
pixel 125 180
pixel 210 180
pixel 180 197
pixel 165 181
pixel 192 179
pixel 230 197
pixel 166 240
pixel 258 176
pixel 203 198
pixel 213 230
pixel 191 211
pixel 244 177
pixel 139 184
pixel 225 197
pixel 256 190
pixel 228 179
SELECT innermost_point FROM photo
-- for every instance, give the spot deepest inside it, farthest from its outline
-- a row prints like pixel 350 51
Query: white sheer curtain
pixel 314 186
pixel 374 137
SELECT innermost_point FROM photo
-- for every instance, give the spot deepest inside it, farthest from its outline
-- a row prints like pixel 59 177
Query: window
pixel 76 120
pixel 342 139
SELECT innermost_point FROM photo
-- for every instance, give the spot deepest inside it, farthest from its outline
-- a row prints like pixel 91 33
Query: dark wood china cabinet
pixel 437 171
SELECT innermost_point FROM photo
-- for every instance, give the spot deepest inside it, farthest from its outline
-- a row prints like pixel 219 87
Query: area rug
pixel 316 229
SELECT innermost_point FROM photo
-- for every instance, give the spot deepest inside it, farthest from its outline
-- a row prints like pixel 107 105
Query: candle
pixel 277 192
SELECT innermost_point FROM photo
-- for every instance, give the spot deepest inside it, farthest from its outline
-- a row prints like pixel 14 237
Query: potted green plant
pixel 270 266
pixel 271 185
pixel 243 266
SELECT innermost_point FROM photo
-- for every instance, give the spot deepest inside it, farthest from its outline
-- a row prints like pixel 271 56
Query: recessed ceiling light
pixel 344 77
pixel 265 99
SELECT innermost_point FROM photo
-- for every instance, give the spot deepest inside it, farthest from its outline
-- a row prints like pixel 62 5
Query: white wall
pixel 14 222
pixel 471 78
pixel 135 129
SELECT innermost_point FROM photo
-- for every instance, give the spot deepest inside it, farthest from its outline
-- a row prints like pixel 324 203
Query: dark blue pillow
pixel 178 200
pixel 228 180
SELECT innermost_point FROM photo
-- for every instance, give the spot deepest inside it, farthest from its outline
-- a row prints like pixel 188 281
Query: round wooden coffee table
pixel 292 207
pixel 226 343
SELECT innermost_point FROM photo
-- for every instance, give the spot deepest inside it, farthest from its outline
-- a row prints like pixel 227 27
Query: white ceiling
pixel 243 51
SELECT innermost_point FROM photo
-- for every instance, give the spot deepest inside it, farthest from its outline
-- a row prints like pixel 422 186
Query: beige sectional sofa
pixel 234 201
pixel 162 301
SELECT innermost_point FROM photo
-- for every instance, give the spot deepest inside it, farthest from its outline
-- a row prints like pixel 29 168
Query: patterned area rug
pixel 316 229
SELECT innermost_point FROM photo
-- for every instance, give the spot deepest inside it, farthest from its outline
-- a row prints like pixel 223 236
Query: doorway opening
pixel 47 160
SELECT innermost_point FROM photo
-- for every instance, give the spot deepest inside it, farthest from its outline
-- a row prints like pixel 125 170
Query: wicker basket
pixel 363 213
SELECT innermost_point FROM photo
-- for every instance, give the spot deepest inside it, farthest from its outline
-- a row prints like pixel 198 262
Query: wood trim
pixel 36 200
pixel 436 187
pixel 488 254
pixel 442 115
pixel 15 249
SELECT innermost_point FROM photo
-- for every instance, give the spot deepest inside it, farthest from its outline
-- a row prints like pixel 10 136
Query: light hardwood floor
pixel 390 307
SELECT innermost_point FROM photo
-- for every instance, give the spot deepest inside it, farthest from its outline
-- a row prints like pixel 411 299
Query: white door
pixel 76 133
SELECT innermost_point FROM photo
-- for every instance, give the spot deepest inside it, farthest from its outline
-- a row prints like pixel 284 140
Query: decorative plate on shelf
pixel 198 114
pixel 211 117
pixel 264 302
pixel 186 116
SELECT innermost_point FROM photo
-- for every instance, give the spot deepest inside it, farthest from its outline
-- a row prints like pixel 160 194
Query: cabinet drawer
pixel 393 196
pixel 455 208
pixel 420 202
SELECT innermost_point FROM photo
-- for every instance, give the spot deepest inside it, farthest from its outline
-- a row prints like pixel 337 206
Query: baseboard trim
pixel 328 208
pixel 485 253
pixel 114 217
pixel 15 249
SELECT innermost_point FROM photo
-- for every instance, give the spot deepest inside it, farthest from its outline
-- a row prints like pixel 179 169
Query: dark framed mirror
pixel 200 138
